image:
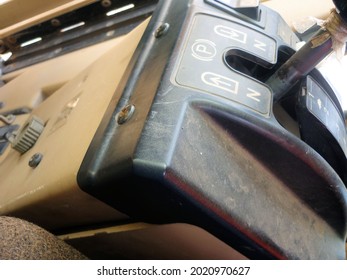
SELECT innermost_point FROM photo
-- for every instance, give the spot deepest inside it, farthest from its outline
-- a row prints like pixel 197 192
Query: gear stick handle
pixel 332 35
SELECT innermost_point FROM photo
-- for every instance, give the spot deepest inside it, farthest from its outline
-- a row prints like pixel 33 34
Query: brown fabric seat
pixel 22 240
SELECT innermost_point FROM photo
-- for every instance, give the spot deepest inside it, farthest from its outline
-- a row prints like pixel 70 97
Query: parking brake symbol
pixel 204 50
pixel 221 82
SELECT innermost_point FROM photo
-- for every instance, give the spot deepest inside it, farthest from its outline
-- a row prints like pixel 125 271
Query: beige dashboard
pixel 71 109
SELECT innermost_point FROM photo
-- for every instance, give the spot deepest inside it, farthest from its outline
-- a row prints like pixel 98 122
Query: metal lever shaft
pixel 333 32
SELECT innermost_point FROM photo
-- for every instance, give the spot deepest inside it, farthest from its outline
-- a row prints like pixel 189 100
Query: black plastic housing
pixel 201 150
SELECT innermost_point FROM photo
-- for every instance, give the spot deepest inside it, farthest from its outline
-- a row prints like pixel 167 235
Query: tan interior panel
pixel 71 115
pixel 28 87
pixel 144 241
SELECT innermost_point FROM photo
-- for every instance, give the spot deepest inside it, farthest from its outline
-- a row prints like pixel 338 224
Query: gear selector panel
pixel 210 38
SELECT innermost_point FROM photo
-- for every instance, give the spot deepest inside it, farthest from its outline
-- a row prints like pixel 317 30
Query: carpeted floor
pixel 21 240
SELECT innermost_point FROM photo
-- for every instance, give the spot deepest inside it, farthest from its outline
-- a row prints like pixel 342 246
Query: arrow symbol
pixel 231 33
pixel 221 82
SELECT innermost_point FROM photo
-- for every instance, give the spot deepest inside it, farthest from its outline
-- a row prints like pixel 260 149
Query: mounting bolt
pixel 55 22
pixel 106 3
pixel 162 30
pixel 35 160
pixel 125 114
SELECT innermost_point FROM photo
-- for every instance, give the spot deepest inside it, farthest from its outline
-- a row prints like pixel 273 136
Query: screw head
pixel 125 114
pixel 162 30
pixel 106 3
pixel 55 22
pixel 35 160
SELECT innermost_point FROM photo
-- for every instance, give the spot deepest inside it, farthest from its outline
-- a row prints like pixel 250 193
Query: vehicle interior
pixel 187 129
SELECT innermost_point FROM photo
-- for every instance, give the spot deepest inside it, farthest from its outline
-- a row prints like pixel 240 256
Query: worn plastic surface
pixel 204 147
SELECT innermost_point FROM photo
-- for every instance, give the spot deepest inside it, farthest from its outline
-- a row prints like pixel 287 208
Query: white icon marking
pixel 221 82
pixel 260 45
pixel 319 102
pixel 153 114
pixel 337 128
pixel 204 50
pixel 231 33
pixel 253 95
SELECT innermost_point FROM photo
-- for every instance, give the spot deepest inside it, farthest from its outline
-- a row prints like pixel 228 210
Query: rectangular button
pixel 248 8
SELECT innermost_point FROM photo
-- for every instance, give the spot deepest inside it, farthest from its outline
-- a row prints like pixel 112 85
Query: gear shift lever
pixel 331 36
